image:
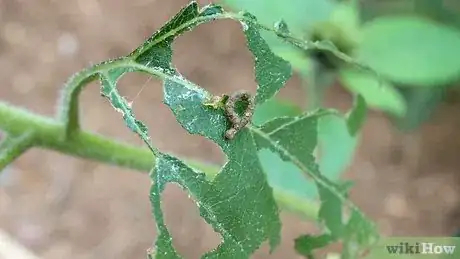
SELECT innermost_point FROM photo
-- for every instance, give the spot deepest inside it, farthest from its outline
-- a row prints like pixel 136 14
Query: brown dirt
pixel 62 207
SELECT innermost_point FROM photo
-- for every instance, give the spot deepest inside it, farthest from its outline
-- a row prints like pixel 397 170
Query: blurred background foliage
pixel 413 46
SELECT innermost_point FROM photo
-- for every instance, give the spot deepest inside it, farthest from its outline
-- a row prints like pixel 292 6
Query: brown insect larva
pixel 230 110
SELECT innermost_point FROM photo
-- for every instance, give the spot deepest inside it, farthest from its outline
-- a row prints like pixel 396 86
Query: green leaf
pixel 306 244
pixel 244 223
pixel 300 62
pixel 274 108
pixel 285 176
pixel 421 104
pixel 120 104
pixel 238 203
pixel 333 158
pixel 346 14
pixel 156 52
pixel 293 13
pixel 271 71
pixel 295 141
pixel 282 175
pixel 331 215
pixel 378 94
pixel 357 232
pixel 353 239
pixel 439 11
pixel 411 50
pixel 248 210
pixel 357 115
pixel 331 212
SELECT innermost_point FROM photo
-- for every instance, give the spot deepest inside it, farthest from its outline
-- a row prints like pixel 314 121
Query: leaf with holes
pixel 294 140
pixel 238 203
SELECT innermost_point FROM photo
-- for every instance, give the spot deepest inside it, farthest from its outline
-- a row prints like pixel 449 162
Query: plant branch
pixel 68 106
pixel 13 146
pixel 16 121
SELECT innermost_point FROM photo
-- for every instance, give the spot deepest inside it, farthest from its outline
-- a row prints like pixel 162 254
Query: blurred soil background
pixel 64 207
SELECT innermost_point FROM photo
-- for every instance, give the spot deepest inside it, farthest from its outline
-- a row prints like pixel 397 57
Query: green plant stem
pixel 49 134
pixel 12 147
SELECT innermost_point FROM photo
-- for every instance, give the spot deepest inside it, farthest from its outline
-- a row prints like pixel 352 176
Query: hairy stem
pixel 45 131
pixel 13 146
pixel 68 108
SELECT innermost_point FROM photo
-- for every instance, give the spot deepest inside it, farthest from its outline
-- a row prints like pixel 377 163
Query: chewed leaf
pixel 272 72
pixel 156 51
pixel 187 102
pixel 238 203
pixel 168 169
pixel 241 186
pixel 294 141
pixel 109 90
pixel 223 205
